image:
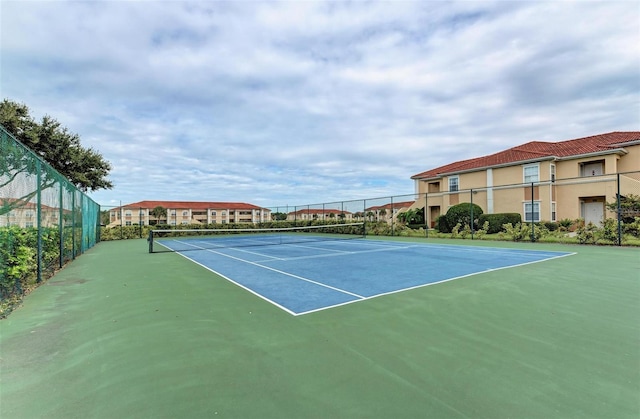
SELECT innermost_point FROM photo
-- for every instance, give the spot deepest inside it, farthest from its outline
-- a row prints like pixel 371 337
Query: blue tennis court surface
pixel 301 278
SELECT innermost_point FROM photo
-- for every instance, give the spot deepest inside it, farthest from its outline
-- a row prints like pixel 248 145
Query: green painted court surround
pixel 120 333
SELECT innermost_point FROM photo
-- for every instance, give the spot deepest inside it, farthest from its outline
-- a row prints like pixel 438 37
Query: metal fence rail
pixel 45 221
pixel 538 202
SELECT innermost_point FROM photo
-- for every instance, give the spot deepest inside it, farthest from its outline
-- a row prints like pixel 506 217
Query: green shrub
pixel 566 223
pixel 522 231
pixel 632 228
pixel 609 231
pixel 461 213
pixel 586 234
pixel 497 221
pixel 481 232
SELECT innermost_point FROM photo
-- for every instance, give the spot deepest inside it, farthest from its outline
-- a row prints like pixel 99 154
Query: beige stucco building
pixel 542 181
pixel 187 212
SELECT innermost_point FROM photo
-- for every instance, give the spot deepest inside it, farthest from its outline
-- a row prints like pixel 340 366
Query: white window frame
pixel 552 172
pixel 598 163
pixel 452 185
pixel 554 214
pixel 527 211
pixel 525 176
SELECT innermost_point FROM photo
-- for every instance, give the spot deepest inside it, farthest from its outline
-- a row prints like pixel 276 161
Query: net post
pixel 364 218
pixel 150 240
pixel 619 209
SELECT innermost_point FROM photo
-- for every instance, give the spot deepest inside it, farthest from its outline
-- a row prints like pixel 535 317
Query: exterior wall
pixel 630 162
pixel 182 216
pixel 26 217
pixel 570 189
pixel 305 215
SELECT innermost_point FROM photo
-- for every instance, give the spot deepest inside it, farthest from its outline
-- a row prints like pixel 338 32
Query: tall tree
pixel 84 167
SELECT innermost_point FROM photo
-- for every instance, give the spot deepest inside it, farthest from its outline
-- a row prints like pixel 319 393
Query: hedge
pixel 496 221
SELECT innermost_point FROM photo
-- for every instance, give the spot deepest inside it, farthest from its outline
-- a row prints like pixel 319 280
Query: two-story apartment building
pixel 187 212
pixel 387 212
pixel 319 214
pixel 26 215
pixel 543 181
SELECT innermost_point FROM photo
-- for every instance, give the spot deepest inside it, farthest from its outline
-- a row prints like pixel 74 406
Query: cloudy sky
pixel 303 102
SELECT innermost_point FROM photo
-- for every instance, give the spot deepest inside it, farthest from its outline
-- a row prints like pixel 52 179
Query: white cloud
pixel 296 102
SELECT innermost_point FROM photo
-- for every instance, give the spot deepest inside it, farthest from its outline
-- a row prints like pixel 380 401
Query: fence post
pixel 39 219
pixel 471 207
pixel 61 224
pixel 619 205
pixel 533 233
pixel 426 220
pixel 364 216
pixel 392 224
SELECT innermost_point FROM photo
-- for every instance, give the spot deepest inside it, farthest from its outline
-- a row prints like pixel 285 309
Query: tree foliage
pixel 629 207
pixel 84 167
pixel 412 216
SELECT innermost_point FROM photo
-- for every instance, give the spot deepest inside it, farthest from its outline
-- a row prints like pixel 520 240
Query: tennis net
pixel 180 240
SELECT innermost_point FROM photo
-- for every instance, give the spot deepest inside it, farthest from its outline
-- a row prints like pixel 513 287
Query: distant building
pixel 319 214
pixel 387 212
pixel 186 212
pixel 25 215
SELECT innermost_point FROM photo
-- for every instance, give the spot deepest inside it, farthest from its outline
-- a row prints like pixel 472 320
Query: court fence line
pixel 45 220
pixel 560 205
pixel 554 204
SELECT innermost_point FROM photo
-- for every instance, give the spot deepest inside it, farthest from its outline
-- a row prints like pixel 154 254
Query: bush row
pixel 19 260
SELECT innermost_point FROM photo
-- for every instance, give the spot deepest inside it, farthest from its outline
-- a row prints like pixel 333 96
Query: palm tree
pixel 159 213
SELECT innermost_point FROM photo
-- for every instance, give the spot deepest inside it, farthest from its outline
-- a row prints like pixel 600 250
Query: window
pixel 536 211
pixel 592 168
pixel 185 213
pixel 127 213
pixel 213 213
pixel 552 170
pixel 454 183
pixel 531 173
pixel 553 211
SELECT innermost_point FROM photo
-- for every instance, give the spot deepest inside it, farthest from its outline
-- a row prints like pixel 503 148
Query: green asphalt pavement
pixel 120 333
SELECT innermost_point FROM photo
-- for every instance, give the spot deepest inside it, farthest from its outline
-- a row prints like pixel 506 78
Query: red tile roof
pixel 539 150
pixel 192 205
pixel 389 206
pixel 319 211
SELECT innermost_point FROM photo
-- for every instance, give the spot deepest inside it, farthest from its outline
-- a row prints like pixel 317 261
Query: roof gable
pixel 539 150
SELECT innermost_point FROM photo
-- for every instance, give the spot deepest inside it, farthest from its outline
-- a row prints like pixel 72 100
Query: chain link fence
pixel 610 202
pixel 45 221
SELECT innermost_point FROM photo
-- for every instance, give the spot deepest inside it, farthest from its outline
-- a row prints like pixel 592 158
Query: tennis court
pixel 121 333
pixel 306 274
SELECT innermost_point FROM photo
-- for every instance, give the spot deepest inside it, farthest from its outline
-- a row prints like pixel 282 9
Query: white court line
pixel 275 270
pixel 432 283
pixel 239 250
pixel 343 253
pixel 363 298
